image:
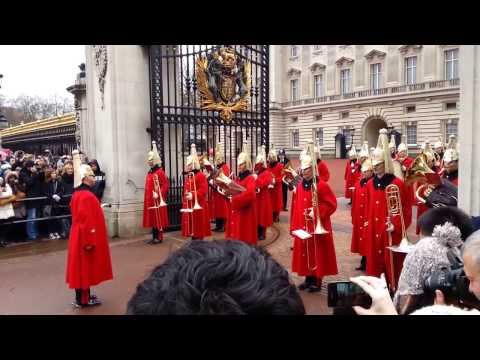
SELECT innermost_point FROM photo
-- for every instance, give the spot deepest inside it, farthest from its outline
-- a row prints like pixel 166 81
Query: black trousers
pixel 284 194
pixel 82 296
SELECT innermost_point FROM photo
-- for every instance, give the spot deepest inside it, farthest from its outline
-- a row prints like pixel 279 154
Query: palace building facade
pixel 343 94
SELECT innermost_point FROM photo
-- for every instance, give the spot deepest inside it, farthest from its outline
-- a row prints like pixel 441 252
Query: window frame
pixel 409 126
pixel 296 82
pixel 411 67
pixel 376 76
pixel 315 88
pixel 454 61
pixel 345 80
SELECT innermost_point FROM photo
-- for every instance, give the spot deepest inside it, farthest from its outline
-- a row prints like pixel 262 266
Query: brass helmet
pixel 272 154
pixel 427 150
pixel 451 154
pixel 367 165
pixel 403 147
pixel 80 171
pixel 219 158
pixel 382 152
pixel 352 154
pixel 192 159
pixel 364 150
pixel 306 160
pixel 153 154
pixel 439 146
pixel 261 156
pixel 244 157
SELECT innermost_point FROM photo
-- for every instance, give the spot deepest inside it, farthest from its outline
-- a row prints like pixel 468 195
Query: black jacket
pixel 33 187
pixel 53 188
pixel 67 183
pixel 99 186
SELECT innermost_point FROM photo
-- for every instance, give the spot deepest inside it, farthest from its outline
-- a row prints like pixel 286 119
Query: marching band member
pixel 450 161
pixel 276 192
pixel 220 204
pixel 242 221
pixel 439 148
pixel 392 147
pixel 284 160
pixel 352 173
pixel 402 155
pixel 322 167
pixel 88 258
pixel 196 218
pixel 379 223
pixel 313 204
pixel 263 178
pixel 430 156
pixel 155 213
pixel 359 210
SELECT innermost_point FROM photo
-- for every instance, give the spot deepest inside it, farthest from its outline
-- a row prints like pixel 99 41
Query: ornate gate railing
pixel 178 121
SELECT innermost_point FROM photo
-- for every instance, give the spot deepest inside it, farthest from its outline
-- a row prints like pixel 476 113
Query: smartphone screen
pixel 347 294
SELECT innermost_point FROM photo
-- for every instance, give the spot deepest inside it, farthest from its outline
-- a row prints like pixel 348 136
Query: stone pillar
pixel 79 91
pixel 469 130
pixel 118 109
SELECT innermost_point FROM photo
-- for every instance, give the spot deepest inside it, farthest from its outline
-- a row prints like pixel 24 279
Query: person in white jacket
pixel 6 211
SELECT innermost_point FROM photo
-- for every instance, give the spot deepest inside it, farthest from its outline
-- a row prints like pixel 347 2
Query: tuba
pixel 290 176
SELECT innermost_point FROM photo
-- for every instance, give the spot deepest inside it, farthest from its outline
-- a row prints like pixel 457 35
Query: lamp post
pixel 3 119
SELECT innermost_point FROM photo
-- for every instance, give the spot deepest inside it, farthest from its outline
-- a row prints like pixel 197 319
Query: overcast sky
pixel 39 70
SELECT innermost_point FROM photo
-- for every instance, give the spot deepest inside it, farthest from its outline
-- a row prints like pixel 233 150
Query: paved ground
pixel 32 276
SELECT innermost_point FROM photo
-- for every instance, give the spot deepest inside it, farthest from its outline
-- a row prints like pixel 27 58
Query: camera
pixel 452 282
pixel 345 294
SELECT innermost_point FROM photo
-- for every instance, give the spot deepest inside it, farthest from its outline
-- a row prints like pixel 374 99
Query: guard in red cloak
pixel 155 213
pixel 313 257
pixel 450 161
pixel 263 178
pixel 276 191
pixel 195 210
pixel 379 223
pixel 88 257
pixel 242 221
pixel 352 173
pixel 220 205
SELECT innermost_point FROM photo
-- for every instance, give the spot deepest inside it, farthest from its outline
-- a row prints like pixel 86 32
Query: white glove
pixel 273 182
pixel 270 186
pixel 390 226
pixel 210 182
pixel 189 196
pixel 155 195
pixel 255 176
pixel 56 198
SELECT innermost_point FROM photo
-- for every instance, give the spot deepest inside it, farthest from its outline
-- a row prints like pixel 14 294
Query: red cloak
pixel 352 175
pixel 264 205
pixel 321 254
pixel 359 212
pixel 86 268
pixel 150 218
pixel 220 209
pixel 196 223
pixel 323 172
pixel 242 221
pixel 276 192
pixel 378 258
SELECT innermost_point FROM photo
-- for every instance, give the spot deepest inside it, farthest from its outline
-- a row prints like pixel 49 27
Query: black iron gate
pixel 177 120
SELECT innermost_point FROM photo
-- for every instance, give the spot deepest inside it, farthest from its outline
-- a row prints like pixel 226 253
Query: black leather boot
pixel 309 281
pixel 363 264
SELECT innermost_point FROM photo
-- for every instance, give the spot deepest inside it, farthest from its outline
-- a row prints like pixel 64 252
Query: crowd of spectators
pixel 35 193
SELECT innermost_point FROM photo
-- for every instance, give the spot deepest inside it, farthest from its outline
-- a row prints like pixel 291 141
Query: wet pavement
pixel 33 275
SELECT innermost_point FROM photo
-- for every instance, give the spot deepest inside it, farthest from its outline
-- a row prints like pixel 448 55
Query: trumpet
pixel 196 206
pixel 158 189
pixel 394 207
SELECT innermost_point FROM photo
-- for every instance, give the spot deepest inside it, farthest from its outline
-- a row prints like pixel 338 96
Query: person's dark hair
pixel 217 278
pixel 29 164
pixel 440 215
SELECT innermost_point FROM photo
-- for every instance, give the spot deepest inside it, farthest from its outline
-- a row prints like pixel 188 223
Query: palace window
pixel 295 138
pixel 345 81
pixel 317 86
pixel 411 70
pixel 375 76
pixel 294 51
pixel 412 134
pixel 451 64
pixel 294 90
pixel 451 128
pixel 318 132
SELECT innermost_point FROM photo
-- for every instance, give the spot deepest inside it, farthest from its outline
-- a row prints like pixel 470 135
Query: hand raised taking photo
pixel 378 290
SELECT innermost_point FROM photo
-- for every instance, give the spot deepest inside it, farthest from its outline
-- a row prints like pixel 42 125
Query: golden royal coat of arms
pixel 224 82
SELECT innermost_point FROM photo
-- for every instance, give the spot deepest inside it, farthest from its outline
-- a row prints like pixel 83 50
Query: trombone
pixel 158 202
pixel 394 207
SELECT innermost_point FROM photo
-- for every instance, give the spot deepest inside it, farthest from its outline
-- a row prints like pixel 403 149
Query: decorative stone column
pixel 469 130
pixel 118 98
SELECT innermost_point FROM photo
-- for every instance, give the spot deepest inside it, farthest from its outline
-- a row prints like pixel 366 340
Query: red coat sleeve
pixel 226 169
pixel 245 198
pixel 323 172
pixel 327 202
pixel 264 179
pixel 347 170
